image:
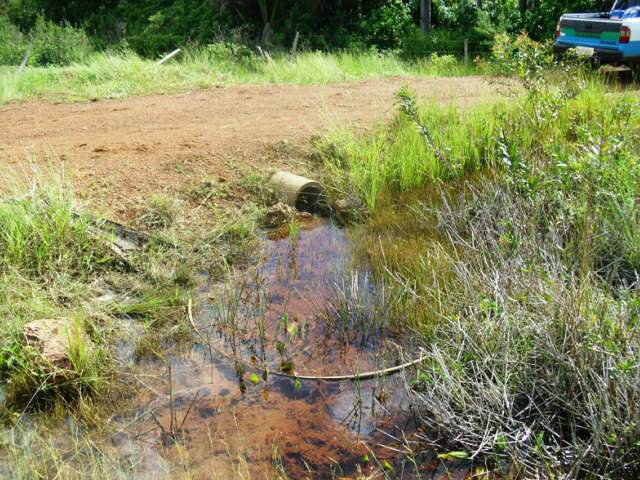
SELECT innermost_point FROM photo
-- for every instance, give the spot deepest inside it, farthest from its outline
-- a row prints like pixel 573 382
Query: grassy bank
pixel 48 256
pixel 58 264
pixel 508 238
pixel 115 75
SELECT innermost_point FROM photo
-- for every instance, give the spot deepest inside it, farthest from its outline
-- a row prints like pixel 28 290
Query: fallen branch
pixel 323 378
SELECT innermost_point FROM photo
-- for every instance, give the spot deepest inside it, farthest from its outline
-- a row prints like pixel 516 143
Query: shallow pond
pixel 217 408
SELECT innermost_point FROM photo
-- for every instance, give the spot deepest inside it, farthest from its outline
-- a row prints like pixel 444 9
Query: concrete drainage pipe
pixel 299 192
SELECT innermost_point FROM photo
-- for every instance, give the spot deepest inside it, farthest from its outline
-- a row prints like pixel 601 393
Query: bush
pixel 521 56
pixel 53 44
pixel 386 26
pixel 230 54
pixel 442 63
pixel 13 45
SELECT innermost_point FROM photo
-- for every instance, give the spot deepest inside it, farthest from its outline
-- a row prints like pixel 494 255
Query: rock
pixel 278 215
pixel 343 205
pixel 53 339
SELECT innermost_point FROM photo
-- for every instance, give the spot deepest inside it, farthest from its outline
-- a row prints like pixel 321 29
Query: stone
pixel 278 215
pixel 52 338
pixel 343 205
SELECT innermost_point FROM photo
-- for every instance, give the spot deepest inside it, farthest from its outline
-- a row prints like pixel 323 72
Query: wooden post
pixel 23 63
pixel 265 55
pixel 294 48
pixel 169 56
pixel 466 52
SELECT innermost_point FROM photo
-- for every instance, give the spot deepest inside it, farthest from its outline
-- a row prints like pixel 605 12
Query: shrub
pixel 13 45
pixel 521 56
pixel 442 63
pixel 385 26
pixel 53 44
pixel 230 54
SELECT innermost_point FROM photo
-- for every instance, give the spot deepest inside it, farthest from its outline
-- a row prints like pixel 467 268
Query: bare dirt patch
pixel 118 152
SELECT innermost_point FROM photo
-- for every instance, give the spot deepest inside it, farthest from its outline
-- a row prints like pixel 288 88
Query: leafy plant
pixel 56 45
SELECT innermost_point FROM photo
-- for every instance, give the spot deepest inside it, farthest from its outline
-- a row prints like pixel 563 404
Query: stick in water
pixel 324 378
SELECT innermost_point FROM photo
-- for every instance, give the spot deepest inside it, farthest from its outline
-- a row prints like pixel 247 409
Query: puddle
pixel 306 309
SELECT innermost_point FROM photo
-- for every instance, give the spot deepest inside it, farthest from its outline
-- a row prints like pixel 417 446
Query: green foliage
pixel 40 234
pixel 12 43
pixel 522 269
pixel 120 74
pixel 387 25
pixel 521 56
pixel 47 251
pixel 416 43
pixel 152 27
pixel 53 44
pixel 421 147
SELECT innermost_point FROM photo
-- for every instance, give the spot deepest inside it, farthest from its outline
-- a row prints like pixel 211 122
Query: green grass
pixel 507 237
pixel 399 158
pixel 116 75
pixel 40 233
pixel 48 256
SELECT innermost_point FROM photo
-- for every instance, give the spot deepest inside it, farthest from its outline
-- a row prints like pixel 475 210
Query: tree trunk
pixel 523 7
pixel 425 15
pixel 266 34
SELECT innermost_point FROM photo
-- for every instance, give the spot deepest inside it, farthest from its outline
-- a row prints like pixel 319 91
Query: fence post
pixel 169 56
pixel 466 52
pixel 23 64
pixel 294 48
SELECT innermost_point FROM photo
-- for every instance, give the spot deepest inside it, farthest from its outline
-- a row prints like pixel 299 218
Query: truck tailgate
pixel 592 29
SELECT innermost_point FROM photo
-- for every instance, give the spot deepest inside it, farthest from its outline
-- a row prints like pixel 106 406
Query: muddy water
pixel 216 408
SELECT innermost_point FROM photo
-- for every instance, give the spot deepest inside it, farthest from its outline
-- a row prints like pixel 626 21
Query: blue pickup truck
pixel 611 37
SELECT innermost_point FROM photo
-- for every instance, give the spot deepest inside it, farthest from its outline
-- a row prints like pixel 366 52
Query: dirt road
pixel 117 152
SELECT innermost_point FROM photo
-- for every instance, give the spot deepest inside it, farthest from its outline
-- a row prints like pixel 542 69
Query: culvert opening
pixel 302 193
pixel 311 199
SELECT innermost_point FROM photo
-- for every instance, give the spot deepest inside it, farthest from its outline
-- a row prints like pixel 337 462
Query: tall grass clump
pixel 420 147
pixel 47 255
pixel 507 237
pixel 530 365
pixel 40 234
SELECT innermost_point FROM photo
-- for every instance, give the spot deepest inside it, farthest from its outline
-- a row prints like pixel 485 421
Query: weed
pixel 294 232
pixel 260 190
pixel 40 234
pixel 161 212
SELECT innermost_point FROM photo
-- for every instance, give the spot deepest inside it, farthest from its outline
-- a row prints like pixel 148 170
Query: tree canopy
pixel 151 26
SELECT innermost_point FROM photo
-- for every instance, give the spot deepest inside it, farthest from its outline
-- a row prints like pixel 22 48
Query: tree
pixel 425 15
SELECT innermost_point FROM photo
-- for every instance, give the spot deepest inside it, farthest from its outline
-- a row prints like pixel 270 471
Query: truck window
pixel 625 4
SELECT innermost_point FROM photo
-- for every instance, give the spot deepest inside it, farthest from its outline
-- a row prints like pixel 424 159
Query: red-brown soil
pixel 118 152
